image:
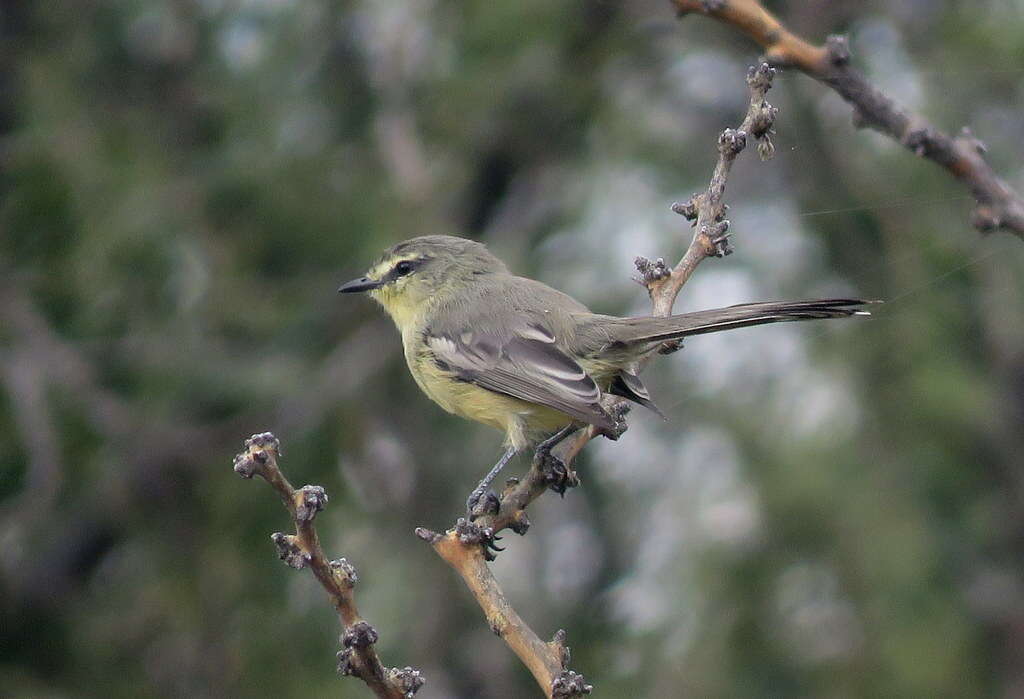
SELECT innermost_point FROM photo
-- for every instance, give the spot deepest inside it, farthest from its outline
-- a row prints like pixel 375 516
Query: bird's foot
pixel 470 533
pixel 480 502
pixel 558 476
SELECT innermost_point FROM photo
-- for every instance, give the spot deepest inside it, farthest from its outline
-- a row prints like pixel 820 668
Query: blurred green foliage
pixel 832 511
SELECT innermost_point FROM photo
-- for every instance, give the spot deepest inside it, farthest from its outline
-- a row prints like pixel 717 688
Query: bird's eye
pixel 404 267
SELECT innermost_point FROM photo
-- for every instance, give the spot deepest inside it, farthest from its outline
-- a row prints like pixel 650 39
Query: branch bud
pixel 345 571
pixel 359 635
pixel 289 551
pixel 244 465
pixel 265 441
pixel 569 684
pixel 259 448
pixel 688 210
pixel 760 77
pixel 732 142
pixel 309 499
pixel 520 523
pixel 558 643
pixel 651 272
pixel 408 680
pixel 428 535
pixel 345 666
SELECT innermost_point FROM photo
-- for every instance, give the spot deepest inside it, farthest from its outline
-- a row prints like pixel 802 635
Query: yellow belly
pixel 523 423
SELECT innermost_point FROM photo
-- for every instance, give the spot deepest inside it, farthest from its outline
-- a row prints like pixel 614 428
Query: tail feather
pixel 651 329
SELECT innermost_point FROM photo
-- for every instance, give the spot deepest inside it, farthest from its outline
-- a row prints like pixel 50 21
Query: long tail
pixel 650 329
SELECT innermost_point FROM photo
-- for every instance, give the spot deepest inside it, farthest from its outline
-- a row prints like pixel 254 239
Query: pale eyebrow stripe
pixel 382 268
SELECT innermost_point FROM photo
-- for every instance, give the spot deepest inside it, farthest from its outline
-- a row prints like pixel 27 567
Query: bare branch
pixel 998 206
pixel 358 656
pixel 707 210
pixel 467 546
pixel 547 661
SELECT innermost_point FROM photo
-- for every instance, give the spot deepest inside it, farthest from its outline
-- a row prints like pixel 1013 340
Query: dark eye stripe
pixel 402 269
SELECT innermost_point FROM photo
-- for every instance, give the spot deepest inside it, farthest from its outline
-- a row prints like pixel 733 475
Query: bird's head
pixel 410 276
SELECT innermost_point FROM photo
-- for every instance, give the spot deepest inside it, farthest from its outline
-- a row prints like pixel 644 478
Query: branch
pixel 462 548
pixel 706 210
pixel 998 206
pixel 338 577
pixel 466 546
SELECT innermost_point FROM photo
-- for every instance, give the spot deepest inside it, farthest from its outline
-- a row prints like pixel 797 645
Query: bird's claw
pixel 489 545
pixel 471 533
pixel 480 503
pixel 557 474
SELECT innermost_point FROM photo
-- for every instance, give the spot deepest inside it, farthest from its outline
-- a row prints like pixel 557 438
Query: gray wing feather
pixel 525 364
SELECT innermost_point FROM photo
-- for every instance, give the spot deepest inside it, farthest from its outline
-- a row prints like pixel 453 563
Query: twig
pixel 706 210
pixel 998 205
pixel 302 549
pixel 462 548
pixel 466 546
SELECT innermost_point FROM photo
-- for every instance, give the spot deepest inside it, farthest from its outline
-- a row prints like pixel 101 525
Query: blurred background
pixel 833 509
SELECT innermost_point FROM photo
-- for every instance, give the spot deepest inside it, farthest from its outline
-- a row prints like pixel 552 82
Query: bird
pixel 518 355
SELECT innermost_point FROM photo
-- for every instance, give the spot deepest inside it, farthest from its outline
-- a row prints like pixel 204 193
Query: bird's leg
pixel 557 474
pixel 482 500
pixel 557 438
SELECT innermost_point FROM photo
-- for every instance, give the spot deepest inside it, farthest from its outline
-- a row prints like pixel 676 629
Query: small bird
pixel 520 356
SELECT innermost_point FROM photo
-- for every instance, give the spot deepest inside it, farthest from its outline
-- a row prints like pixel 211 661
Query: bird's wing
pixel 524 363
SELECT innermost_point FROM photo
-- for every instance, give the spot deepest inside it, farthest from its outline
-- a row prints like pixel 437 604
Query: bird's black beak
pixel 361 284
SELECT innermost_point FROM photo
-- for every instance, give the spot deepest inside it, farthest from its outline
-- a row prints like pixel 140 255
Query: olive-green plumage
pixel 519 355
